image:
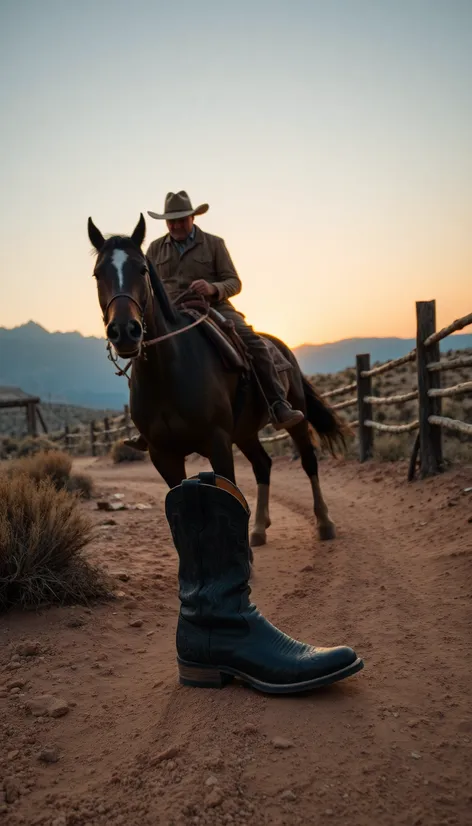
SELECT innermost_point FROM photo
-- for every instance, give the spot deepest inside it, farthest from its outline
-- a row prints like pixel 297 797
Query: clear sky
pixel 332 139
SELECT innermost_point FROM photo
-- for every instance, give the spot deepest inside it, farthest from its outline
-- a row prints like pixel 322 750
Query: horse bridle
pixel 142 310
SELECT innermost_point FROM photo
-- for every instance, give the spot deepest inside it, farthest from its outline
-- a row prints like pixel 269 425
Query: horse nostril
pixel 113 332
pixel 135 330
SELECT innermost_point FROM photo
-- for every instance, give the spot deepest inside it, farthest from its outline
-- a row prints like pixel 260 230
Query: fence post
pixel 106 434
pixel 431 458
pixel 31 419
pixel 41 420
pixel 364 388
pixel 127 421
pixel 93 438
pixel 66 437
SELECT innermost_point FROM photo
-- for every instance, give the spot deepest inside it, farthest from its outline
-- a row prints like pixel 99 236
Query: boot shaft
pixel 209 526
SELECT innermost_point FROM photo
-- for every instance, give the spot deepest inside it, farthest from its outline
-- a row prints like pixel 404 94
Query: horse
pixel 183 399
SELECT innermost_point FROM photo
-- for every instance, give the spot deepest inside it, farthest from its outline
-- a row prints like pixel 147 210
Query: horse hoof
pixel 258 538
pixel 327 531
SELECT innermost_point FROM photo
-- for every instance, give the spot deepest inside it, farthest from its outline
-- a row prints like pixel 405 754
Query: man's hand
pixel 202 287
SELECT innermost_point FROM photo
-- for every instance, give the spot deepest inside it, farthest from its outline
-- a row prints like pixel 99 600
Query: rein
pixel 180 330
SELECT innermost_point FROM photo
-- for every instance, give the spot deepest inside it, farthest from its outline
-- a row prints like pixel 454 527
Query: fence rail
pixel 340 390
pixel 451 364
pixel 405 397
pixel 392 428
pixel 456 390
pixel 389 365
pixel 451 424
pixel 458 324
pixel 348 403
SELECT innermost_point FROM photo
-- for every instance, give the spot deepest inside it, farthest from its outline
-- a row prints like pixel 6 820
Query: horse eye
pixel 143 270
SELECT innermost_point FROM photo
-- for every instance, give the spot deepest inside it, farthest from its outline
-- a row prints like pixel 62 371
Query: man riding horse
pixel 188 259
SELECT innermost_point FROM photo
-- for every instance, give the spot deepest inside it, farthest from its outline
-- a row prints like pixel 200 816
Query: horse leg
pixel 170 466
pixel 221 455
pixel 301 437
pixel 261 465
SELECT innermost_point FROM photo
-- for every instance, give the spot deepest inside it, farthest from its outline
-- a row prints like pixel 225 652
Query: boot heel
pixel 202 676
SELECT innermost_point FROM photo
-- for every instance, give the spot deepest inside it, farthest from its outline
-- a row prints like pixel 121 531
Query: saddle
pixel 221 332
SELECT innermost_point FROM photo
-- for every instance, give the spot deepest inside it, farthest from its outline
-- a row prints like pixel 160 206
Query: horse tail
pixel 331 429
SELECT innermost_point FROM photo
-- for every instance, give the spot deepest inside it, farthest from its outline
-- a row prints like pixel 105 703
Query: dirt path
pixel 391 745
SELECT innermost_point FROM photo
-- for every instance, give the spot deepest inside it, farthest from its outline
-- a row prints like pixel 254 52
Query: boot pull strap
pixel 208 477
pixel 212 479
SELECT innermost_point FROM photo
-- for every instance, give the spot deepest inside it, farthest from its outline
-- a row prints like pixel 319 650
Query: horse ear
pixel 96 238
pixel 139 231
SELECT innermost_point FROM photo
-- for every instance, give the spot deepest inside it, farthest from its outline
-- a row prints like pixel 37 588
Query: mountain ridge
pixel 72 368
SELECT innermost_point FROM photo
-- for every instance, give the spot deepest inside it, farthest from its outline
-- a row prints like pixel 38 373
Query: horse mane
pixel 167 308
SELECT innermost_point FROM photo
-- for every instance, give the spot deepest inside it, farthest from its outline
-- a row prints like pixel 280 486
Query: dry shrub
pixel 31 445
pixel 456 451
pixel 8 447
pixel 54 466
pixel 81 484
pixel 42 536
pixel 123 453
pixel 392 447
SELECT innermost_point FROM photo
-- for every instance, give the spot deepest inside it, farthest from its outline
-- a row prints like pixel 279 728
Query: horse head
pixel 127 286
pixel 124 291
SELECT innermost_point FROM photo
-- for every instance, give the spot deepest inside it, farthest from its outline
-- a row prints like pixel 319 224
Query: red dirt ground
pixel 391 745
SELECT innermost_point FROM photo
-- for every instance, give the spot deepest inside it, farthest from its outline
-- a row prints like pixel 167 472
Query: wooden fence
pixel 429 393
pixel 429 424
pixel 98 437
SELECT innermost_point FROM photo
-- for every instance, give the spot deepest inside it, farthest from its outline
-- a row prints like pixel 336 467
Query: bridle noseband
pixel 142 310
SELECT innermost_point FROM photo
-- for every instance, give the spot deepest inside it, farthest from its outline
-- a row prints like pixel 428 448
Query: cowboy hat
pixel 179 206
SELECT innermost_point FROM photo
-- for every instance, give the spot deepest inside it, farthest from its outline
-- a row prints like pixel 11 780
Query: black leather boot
pixel 220 634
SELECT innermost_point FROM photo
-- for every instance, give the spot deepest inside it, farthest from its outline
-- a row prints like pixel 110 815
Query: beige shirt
pixel 206 257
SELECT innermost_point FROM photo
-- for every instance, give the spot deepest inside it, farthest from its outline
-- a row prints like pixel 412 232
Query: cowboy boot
pixel 137 443
pixel 283 416
pixel 220 633
pixel 281 413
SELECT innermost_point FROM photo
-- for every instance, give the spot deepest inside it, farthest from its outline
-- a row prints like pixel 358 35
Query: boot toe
pixel 288 419
pixel 327 661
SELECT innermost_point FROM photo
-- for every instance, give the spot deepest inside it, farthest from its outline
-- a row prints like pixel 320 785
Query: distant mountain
pixel 331 358
pixel 72 368
pixel 60 367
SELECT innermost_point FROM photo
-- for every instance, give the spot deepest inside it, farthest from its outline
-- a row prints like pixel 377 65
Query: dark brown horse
pixel 182 399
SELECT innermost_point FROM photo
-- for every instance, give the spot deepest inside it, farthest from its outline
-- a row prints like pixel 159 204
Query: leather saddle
pixel 221 332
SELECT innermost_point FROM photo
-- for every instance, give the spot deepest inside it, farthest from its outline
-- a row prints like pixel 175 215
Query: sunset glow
pixel 331 140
